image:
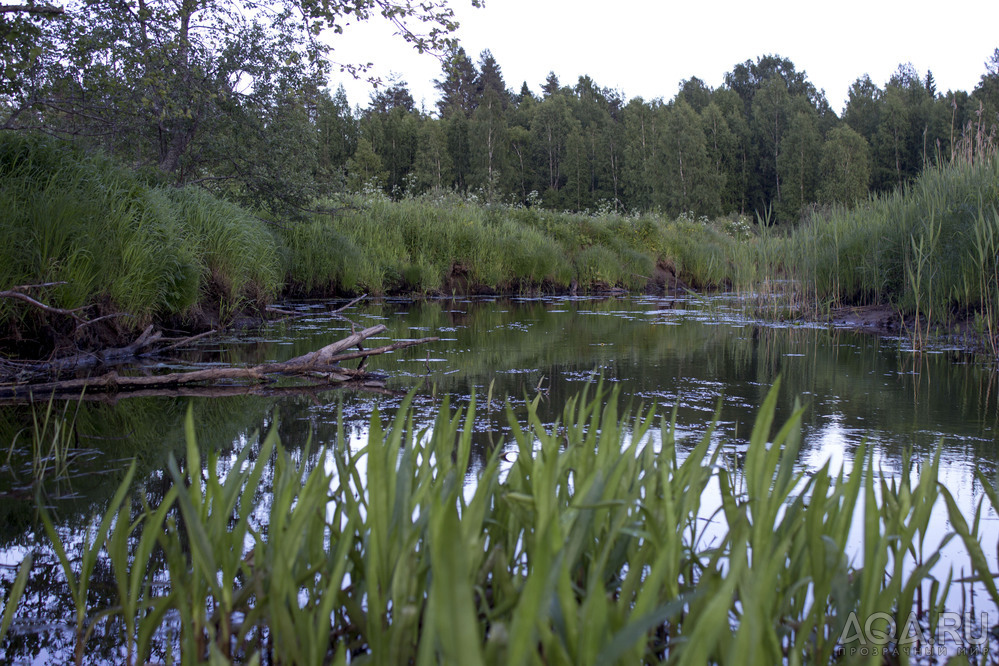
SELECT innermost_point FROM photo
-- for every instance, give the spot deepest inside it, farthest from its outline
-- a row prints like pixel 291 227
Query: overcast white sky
pixel 646 49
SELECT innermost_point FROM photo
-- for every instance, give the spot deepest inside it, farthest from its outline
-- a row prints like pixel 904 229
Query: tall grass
pixel 930 248
pixel 446 243
pixel 596 544
pixel 111 240
pixel 236 251
pixel 87 222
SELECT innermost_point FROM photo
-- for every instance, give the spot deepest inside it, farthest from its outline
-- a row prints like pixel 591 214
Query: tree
pixel 691 184
pixel 799 160
pixel 770 110
pixel 365 168
pixel 456 130
pixel 748 78
pixel 550 86
pixel 394 136
pixel 902 144
pixel 458 85
pixel 491 79
pixel 550 129
pixel 722 153
pixel 167 83
pixel 863 107
pixel 642 168
pixel 433 167
pixel 395 96
pixel 524 94
pixel 21 31
pixel 695 93
pixel 488 142
pixel 337 133
pixel 986 94
pixel 845 170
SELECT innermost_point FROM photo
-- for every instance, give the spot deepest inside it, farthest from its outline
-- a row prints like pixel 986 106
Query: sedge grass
pixel 421 244
pixel 590 547
pixel 105 238
pixel 927 249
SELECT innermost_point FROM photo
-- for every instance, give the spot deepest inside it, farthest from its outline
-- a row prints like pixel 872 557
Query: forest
pixel 244 102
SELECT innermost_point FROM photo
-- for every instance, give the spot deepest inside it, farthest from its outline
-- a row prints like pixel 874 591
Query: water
pixel 699 355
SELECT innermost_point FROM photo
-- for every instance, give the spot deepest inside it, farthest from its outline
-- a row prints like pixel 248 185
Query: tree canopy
pixel 209 91
pixel 236 97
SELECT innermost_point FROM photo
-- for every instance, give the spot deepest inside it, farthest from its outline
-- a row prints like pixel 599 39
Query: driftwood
pixel 19 295
pixel 143 346
pixel 371 384
pixel 292 314
pixel 318 363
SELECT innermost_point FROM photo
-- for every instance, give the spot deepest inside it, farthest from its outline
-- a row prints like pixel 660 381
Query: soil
pixel 960 333
pixel 870 318
pixel 664 279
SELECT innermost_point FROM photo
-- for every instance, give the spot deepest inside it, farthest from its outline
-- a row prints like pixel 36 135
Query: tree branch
pixel 43 10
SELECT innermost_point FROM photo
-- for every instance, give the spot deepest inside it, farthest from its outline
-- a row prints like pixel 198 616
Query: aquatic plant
pixel 428 244
pixel 928 249
pixel 93 234
pixel 589 541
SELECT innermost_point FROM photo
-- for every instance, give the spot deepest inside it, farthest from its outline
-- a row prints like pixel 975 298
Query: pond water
pixel 700 355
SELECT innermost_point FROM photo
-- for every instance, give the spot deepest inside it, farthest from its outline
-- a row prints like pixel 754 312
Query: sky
pixel 646 49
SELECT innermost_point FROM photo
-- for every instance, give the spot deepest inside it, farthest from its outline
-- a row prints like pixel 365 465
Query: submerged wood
pixel 321 362
pixel 143 346
pixel 371 384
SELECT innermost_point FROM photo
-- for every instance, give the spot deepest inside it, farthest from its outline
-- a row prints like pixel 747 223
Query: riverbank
pixel 928 253
pixel 121 252
pixel 107 252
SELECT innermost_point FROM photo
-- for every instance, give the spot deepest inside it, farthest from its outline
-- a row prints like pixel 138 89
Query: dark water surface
pixel 696 353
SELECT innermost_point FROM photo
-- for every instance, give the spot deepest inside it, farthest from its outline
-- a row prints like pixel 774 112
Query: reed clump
pixel 449 244
pixel 930 249
pixel 591 541
pixel 97 235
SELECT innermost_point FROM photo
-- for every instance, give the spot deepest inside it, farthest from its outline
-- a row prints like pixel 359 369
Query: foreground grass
pixel 591 547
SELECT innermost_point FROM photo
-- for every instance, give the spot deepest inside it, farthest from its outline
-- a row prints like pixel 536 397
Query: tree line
pixel 764 142
pixel 236 98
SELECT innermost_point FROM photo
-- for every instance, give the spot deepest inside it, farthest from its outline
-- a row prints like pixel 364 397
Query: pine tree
pixel 458 86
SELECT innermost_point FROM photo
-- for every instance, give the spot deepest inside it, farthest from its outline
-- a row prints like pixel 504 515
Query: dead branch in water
pixel 322 361
pixel 16 294
pixel 369 385
pixel 292 314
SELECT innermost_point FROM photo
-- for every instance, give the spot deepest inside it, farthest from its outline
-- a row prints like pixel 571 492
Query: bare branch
pixel 17 295
pixel 43 10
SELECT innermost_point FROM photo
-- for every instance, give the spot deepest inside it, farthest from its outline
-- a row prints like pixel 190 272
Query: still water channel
pixel 699 354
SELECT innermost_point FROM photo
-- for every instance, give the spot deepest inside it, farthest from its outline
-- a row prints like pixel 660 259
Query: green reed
pixel 97 235
pixel 428 244
pixel 589 541
pixel 927 249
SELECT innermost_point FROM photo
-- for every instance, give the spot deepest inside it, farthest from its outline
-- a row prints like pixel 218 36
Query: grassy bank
pixel 591 546
pixel 930 249
pixel 100 236
pixel 446 244
pixel 96 234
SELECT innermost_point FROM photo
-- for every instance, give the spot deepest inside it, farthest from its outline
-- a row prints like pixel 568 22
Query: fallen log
pixel 368 385
pixel 142 346
pixel 322 361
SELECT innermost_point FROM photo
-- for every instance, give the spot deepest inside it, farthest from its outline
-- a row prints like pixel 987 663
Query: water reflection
pixel 696 355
